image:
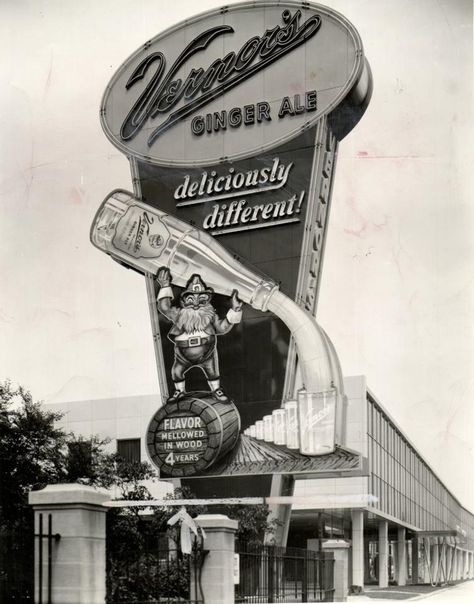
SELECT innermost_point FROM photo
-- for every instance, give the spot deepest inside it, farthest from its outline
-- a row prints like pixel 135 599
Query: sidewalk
pixel 459 593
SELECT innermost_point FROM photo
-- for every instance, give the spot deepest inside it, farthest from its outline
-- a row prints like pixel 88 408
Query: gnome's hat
pixel 196 285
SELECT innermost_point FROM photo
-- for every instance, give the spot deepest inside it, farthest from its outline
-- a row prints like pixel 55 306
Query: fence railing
pixel 151 568
pixel 276 574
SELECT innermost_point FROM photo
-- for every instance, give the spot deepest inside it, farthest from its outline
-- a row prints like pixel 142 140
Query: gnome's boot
pixel 218 392
pixel 178 393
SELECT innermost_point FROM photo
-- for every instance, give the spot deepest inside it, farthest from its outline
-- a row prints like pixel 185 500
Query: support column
pixel 402 556
pixel 449 562
pixel 217 578
pixel 357 517
pixel 445 561
pixel 77 571
pixel 340 549
pixel 453 563
pixel 434 560
pixel 453 556
pixel 383 553
pixel 426 560
pixel 394 561
pixel 408 554
pixel 415 553
pixel 366 560
pixel 281 513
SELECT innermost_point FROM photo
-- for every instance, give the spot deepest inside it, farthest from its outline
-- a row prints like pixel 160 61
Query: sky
pixel 397 287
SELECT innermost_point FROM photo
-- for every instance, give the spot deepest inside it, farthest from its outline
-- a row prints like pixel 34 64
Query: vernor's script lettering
pixel 201 86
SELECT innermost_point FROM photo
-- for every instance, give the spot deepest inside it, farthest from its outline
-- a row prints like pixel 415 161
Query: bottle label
pixel 140 233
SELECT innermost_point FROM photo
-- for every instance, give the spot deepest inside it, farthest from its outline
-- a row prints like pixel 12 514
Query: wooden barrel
pixel 186 437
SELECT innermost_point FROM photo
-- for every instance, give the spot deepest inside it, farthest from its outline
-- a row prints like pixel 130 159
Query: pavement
pixel 461 592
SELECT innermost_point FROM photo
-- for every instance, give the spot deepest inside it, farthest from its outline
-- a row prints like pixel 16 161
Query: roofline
pixel 402 434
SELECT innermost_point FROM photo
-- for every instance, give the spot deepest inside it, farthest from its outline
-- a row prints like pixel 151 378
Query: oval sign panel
pixel 231 83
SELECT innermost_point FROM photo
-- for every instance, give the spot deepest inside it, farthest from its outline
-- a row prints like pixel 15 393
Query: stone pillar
pixel 402 556
pixel 383 553
pixel 78 557
pixel 340 549
pixel 217 577
pixel 357 517
pixel 434 560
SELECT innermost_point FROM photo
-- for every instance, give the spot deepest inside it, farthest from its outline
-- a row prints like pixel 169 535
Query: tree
pixel 31 448
pixel 254 522
pixel 35 452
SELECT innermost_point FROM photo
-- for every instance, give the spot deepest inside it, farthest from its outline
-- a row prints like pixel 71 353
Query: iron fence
pixel 146 567
pixel 276 574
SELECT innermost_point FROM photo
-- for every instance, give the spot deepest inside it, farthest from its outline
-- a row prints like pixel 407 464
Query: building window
pixel 129 449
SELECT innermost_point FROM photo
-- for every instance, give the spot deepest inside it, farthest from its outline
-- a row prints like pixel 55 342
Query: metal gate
pixel 149 567
pixel 277 574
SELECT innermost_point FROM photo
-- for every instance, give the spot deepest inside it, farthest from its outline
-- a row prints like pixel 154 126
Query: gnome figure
pixel 195 330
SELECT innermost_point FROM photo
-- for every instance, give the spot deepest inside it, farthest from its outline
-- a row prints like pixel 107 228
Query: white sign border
pixel 352 80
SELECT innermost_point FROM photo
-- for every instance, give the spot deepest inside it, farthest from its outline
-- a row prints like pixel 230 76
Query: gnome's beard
pixel 190 320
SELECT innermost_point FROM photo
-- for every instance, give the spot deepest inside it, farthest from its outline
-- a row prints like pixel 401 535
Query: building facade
pixel 402 524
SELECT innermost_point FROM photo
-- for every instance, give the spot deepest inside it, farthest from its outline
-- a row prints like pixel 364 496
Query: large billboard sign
pixel 231 121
